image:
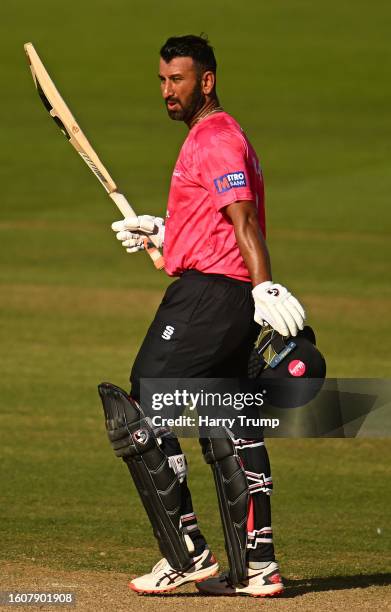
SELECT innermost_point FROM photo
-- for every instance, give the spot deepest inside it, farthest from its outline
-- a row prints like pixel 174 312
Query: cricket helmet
pixel 291 369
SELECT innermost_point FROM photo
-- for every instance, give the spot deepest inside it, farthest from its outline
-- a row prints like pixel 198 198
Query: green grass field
pixel 309 82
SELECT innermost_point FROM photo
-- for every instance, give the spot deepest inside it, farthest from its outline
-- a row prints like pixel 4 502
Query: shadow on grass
pixel 299 587
pixel 294 588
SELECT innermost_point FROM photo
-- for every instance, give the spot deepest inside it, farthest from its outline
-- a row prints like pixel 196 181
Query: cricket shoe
pixel 259 583
pixel 165 578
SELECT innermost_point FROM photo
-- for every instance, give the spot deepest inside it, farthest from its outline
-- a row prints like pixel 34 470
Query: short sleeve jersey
pixel 217 166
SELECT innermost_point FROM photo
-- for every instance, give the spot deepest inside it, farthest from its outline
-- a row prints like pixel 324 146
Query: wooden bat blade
pixel 61 114
pixel 59 111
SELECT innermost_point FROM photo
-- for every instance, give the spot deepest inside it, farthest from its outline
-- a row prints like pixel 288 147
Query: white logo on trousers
pixel 166 335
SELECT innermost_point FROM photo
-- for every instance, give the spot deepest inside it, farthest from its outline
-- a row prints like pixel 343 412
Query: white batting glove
pixel 132 231
pixel 275 305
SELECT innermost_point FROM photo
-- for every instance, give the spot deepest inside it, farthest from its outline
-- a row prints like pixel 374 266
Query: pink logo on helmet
pixel 296 368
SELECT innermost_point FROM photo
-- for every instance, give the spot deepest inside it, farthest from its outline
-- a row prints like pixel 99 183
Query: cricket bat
pixel 61 114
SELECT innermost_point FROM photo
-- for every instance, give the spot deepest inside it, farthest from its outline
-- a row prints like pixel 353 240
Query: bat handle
pixel 127 211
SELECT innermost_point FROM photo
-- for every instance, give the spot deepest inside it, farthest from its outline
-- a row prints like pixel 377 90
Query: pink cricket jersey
pixel 216 166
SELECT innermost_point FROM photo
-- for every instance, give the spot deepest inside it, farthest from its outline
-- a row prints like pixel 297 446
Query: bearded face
pixel 182 88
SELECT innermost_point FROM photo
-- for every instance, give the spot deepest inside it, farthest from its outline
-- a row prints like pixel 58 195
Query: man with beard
pixel 214 241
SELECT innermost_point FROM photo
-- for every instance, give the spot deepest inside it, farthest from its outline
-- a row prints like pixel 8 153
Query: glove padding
pixel 275 305
pixel 132 231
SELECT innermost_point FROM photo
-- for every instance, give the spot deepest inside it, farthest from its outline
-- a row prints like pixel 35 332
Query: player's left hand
pixel 132 231
pixel 275 305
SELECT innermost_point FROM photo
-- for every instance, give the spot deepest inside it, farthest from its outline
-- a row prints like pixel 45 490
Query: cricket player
pixel 213 240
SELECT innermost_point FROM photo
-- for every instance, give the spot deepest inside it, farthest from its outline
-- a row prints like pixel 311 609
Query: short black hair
pixel 196 47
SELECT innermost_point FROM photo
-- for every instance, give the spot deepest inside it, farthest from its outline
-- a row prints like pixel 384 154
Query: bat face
pixel 60 113
pixel 45 100
pixel 49 108
pixel 75 130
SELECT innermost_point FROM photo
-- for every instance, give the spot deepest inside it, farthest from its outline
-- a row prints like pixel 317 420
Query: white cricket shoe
pixel 260 583
pixel 164 578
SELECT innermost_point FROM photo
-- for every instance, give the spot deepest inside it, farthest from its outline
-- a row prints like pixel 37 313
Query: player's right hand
pixel 277 306
pixel 132 231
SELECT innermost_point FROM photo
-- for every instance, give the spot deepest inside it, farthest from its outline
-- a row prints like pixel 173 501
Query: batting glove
pixel 132 231
pixel 275 305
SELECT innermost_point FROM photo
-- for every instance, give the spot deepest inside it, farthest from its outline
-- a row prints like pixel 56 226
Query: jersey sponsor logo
pixel 168 331
pixel 296 368
pixel 229 181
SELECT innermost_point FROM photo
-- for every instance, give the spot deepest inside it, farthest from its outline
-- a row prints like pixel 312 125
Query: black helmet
pixel 291 370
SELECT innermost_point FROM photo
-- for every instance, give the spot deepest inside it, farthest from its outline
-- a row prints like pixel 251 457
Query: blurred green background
pixel 309 82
